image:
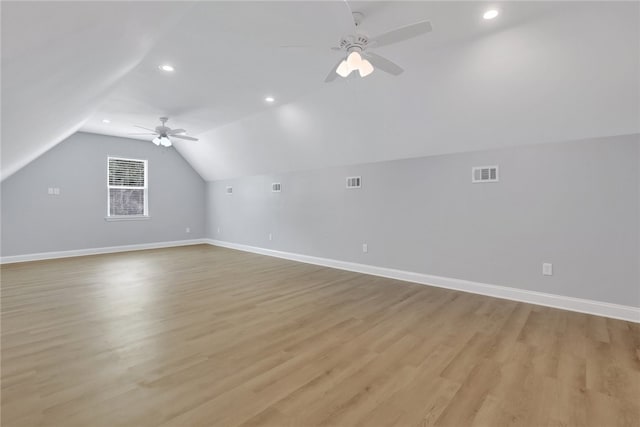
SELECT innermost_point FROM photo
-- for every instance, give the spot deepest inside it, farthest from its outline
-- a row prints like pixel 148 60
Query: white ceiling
pixel 540 72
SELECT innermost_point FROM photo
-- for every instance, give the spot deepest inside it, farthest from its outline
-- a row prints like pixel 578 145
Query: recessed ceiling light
pixel 106 121
pixel 166 67
pixel 490 14
pixel 270 99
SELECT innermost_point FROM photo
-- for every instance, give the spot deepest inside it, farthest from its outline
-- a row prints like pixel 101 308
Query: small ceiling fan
pixel 361 59
pixel 164 134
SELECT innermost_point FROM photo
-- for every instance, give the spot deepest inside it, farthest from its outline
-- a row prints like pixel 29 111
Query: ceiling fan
pixel 364 61
pixel 164 134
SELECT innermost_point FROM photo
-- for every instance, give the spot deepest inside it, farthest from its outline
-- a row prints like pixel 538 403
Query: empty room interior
pixel 320 213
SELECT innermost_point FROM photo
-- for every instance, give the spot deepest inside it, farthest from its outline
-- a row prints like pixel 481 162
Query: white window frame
pixel 110 217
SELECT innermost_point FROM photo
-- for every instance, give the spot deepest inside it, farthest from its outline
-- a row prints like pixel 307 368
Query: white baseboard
pixel 615 311
pixel 97 251
pixel 597 308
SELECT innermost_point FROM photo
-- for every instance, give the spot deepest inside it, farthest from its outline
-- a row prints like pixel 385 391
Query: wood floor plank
pixel 206 336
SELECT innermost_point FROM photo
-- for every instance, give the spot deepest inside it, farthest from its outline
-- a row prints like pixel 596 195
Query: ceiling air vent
pixel 354 182
pixel 484 174
pixel 276 187
pixel 229 191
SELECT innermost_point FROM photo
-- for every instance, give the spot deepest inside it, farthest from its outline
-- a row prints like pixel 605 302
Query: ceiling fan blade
pixel 332 74
pixel 401 34
pixel 143 133
pixel 383 63
pixel 306 47
pixel 136 126
pixel 188 138
pixel 176 131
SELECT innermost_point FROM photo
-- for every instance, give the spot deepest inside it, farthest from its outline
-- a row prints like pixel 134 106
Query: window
pixel 127 187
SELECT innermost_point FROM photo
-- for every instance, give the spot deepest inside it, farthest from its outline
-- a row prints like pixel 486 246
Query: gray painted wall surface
pixel 34 222
pixel 574 204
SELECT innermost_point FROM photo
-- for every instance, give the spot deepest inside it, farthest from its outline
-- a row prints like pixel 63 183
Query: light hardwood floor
pixel 209 336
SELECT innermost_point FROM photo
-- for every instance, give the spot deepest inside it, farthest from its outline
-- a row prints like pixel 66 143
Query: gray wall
pixel 34 222
pixel 574 204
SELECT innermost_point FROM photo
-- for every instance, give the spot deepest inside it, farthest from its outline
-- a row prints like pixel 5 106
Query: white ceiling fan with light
pixel 163 134
pixel 357 46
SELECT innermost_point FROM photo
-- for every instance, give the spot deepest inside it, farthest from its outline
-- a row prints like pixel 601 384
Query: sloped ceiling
pixel 540 72
pixel 61 60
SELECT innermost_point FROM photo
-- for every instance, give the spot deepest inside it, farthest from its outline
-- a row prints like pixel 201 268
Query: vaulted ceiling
pixel 540 72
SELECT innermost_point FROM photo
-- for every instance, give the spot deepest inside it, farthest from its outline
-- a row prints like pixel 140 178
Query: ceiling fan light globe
pixel 365 68
pixel 156 141
pixel 354 60
pixel 343 69
pixel 165 142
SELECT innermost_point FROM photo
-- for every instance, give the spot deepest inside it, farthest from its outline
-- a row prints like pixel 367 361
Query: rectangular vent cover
pixel 484 174
pixel 276 187
pixel 229 191
pixel 354 182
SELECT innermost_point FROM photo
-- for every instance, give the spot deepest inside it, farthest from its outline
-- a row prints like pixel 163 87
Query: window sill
pixel 127 218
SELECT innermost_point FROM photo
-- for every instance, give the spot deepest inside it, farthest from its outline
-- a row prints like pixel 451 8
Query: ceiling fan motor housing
pixel 354 43
pixel 162 129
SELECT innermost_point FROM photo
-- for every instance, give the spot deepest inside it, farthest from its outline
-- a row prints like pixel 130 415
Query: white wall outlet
pixel 365 248
pixel 50 190
pixel 270 236
pixel 56 191
pixel 547 269
pixel 187 230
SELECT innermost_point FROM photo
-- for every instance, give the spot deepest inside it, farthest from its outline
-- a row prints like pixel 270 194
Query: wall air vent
pixel 229 191
pixel 354 182
pixel 276 187
pixel 484 174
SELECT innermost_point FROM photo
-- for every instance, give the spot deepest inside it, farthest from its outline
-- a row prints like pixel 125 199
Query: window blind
pixel 126 172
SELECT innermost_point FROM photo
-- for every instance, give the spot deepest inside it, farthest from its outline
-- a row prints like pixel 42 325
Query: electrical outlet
pixel 365 248
pixel 547 269
pixel 50 190
pixel 218 230
pixel 188 229
pixel 270 236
